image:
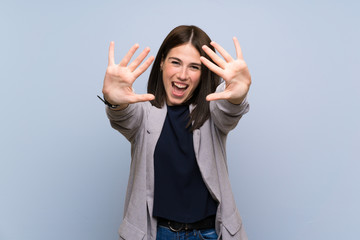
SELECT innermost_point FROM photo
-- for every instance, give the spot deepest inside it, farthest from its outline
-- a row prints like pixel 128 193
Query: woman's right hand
pixel 119 78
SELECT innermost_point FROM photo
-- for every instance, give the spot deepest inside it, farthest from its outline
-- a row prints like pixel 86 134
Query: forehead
pixel 185 52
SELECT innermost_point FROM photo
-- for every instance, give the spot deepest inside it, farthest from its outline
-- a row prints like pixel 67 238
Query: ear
pixel 161 64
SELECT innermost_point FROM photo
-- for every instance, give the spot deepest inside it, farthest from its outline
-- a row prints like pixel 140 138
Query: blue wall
pixel 293 159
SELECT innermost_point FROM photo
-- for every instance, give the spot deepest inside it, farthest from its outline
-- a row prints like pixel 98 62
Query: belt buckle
pixel 176 230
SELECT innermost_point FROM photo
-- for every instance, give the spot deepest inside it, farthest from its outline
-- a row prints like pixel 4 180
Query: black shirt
pixel 180 192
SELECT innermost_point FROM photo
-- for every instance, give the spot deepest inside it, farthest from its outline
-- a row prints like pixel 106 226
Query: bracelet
pixel 107 103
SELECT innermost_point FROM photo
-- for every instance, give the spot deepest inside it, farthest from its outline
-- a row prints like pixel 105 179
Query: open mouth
pixel 179 88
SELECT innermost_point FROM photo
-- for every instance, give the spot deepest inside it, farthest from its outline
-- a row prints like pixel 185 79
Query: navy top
pixel 180 193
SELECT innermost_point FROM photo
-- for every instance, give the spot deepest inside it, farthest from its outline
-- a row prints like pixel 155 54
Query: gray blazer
pixel 141 124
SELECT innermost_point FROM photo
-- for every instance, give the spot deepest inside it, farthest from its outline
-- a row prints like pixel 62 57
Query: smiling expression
pixel 181 73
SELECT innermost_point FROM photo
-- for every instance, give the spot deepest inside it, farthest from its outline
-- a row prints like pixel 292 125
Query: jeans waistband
pixel 208 222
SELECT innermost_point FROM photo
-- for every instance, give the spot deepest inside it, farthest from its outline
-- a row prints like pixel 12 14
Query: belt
pixel 174 226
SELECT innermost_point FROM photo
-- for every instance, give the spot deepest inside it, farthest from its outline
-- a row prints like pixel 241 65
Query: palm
pixel 119 78
pixel 234 72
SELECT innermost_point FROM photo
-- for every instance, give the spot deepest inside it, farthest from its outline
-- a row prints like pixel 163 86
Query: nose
pixel 183 75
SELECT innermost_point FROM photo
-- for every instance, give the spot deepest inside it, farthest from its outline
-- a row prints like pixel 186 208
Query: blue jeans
pixel 164 233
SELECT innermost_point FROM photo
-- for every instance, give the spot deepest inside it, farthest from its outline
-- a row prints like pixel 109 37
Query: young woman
pixel 178 185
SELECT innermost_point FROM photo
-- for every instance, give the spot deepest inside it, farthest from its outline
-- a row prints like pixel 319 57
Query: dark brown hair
pixel 208 80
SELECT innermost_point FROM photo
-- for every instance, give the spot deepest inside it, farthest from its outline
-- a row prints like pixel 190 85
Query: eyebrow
pixel 178 59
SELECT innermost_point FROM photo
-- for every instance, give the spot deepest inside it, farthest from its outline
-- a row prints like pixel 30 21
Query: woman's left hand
pixel 234 72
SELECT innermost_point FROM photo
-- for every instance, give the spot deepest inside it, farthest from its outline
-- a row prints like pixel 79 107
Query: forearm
pixel 127 120
pixel 226 114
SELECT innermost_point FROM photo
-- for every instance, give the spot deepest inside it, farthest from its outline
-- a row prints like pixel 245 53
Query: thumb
pixel 217 96
pixel 142 98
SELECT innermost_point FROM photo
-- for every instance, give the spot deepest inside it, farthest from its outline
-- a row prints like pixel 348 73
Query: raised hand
pixel 119 78
pixel 234 72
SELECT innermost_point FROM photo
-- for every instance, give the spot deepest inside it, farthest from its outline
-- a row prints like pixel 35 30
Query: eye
pixel 195 67
pixel 175 62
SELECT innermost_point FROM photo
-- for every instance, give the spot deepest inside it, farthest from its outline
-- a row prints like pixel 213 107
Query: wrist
pixel 112 106
pixel 120 107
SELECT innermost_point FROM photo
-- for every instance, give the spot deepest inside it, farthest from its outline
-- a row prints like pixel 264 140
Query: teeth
pixel 180 85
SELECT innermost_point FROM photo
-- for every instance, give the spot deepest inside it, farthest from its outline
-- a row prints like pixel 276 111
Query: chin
pixel 173 102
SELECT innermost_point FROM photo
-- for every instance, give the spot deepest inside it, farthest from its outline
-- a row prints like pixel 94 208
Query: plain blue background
pixel 293 159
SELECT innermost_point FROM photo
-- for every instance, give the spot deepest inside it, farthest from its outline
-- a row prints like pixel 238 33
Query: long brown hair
pixel 208 80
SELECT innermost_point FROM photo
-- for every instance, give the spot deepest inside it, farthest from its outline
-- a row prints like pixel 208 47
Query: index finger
pixel 222 51
pixel 238 49
pixel 124 62
pixel 111 54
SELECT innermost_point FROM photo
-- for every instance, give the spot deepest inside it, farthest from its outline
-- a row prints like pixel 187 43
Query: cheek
pixel 167 73
pixel 165 77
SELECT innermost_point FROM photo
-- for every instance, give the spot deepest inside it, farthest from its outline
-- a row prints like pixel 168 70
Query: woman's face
pixel 181 73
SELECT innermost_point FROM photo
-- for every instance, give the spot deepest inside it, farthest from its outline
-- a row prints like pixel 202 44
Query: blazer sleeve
pixel 129 120
pixel 225 114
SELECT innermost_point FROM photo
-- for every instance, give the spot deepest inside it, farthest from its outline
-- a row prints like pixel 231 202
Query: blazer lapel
pixel 153 130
